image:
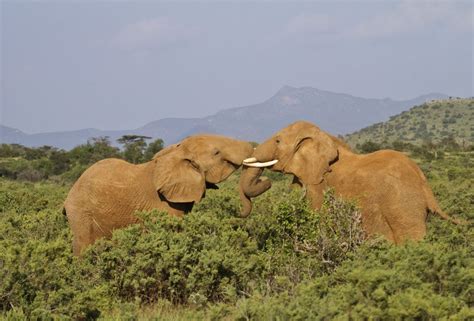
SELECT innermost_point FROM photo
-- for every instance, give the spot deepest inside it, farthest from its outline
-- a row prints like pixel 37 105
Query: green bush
pixel 327 235
pixel 12 167
pixel 46 162
pixel 207 257
pixel 368 147
pixel 425 281
pixel 74 173
pixel 284 262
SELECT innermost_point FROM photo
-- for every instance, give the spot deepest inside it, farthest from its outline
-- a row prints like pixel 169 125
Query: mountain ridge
pixel 337 113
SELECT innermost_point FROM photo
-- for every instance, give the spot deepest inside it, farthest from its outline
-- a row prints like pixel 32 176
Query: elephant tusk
pixel 257 164
pixel 250 160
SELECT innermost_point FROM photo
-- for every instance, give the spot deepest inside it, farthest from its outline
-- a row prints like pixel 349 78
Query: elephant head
pixel 216 157
pixel 301 149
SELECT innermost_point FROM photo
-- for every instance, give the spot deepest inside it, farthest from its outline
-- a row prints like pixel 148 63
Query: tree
pixel 60 161
pixel 12 150
pixel 102 148
pixel 38 153
pixel 449 143
pixel 134 146
pixel 368 147
pixel 94 150
pixel 254 144
pixel 153 148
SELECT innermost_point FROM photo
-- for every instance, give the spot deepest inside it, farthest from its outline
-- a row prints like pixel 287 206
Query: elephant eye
pixel 217 152
pixel 278 141
pixel 193 164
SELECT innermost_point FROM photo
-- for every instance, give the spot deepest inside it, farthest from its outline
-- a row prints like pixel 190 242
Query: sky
pixel 119 65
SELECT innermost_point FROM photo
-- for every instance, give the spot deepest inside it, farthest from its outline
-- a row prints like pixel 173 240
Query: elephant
pixel 107 194
pixel 391 190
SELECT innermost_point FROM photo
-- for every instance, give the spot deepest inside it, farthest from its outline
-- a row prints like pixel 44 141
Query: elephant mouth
pixel 252 162
pixel 211 186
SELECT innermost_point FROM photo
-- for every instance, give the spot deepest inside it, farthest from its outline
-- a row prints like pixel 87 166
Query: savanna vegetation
pixel 284 262
pixel 35 164
pixel 438 122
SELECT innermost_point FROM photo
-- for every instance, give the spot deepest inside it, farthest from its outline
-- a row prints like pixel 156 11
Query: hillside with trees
pixel 445 122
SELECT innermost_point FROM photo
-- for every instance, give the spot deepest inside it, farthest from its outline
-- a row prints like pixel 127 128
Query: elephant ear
pixel 180 182
pixel 313 154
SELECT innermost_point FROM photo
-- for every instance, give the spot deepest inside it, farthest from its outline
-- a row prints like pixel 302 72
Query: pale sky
pixel 119 65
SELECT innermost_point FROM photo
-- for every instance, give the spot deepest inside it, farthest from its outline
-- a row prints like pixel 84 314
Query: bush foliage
pixel 284 262
pixel 34 164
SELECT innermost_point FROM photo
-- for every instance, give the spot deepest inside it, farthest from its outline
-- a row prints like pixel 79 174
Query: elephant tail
pixel 449 218
pixel 433 207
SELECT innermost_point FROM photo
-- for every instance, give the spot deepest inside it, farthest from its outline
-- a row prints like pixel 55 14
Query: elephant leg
pixel 407 219
pixel 84 236
pixel 415 231
pixel 395 226
pixel 409 227
pixel 374 223
pixel 78 245
pixel 397 213
pixel 85 232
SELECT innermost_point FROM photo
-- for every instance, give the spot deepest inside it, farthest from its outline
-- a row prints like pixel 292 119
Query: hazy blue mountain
pixel 11 135
pixel 334 112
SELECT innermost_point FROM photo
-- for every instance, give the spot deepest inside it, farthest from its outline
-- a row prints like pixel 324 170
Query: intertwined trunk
pixel 251 185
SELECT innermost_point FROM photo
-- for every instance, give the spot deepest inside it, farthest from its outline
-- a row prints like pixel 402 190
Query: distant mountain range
pixel 334 112
pixel 432 121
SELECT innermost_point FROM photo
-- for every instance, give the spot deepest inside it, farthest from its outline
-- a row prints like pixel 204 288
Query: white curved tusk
pixel 250 160
pixel 266 164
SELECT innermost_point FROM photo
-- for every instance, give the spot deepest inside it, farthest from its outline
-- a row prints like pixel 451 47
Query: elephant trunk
pixel 251 185
pixel 246 204
pixel 237 152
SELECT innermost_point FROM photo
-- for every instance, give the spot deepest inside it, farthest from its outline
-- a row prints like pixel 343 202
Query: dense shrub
pixel 38 273
pixel 41 163
pixel 93 151
pixel 12 167
pixel 30 174
pixel 426 281
pixel 368 147
pixel 284 262
pixel 207 257
pixel 327 235
pixel 74 173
